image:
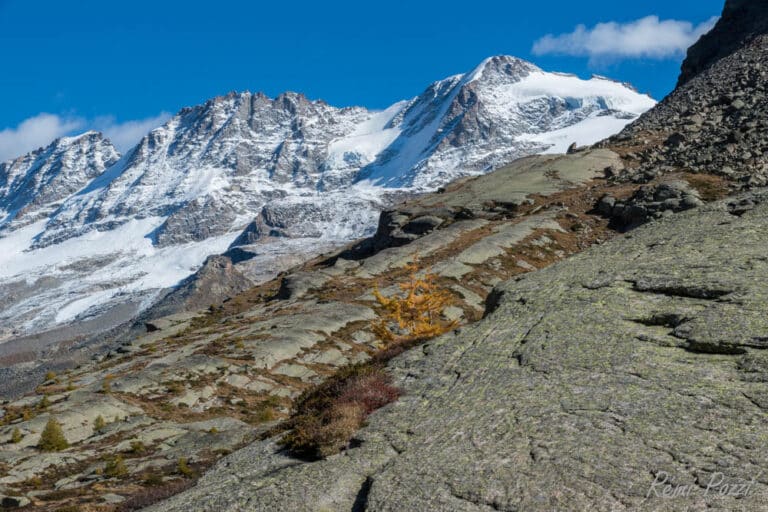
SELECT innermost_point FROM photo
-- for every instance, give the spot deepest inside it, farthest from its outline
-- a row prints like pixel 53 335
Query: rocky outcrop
pixel 34 185
pixel 503 194
pixel 218 280
pixel 605 382
pixel 713 124
pixel 649 202
pixel 742 20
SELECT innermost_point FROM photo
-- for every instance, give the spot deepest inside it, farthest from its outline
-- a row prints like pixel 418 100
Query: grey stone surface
pixel 398 257
pixel 589 383
pixel 297 285
pixel 507 236
pixel 511 185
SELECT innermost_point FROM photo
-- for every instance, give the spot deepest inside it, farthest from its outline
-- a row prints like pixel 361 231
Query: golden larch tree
pixel 417 311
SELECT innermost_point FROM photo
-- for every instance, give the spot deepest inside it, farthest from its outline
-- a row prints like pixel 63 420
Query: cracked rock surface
pixel 591 382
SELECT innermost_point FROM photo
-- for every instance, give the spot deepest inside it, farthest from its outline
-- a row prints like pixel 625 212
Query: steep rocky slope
pixel 742 21
pixel 715 122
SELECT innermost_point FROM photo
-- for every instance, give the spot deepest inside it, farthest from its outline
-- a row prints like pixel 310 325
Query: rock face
pixel 742 20
pixel 32 186
pixel 715 121
pixel 650 201
pixel 589 385
pixel 217 280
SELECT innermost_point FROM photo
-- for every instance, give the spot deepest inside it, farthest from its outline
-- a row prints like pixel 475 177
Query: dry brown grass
pixel 709 186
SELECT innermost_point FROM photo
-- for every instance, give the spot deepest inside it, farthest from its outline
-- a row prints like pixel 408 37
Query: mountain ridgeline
pixel 84 230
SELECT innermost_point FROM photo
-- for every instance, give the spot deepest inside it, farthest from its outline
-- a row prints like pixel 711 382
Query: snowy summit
pixel 84 231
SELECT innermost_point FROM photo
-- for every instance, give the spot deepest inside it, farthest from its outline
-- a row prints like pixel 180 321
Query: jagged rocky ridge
pixel 742 21
pixel 298 175
pixel 34 185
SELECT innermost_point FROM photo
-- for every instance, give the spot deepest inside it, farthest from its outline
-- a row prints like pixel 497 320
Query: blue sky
pixel 124 66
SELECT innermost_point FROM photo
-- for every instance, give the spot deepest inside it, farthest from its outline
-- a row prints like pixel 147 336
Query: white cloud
pixel 33 133
pixel 42 129
pixel 125 135
pixel 647 37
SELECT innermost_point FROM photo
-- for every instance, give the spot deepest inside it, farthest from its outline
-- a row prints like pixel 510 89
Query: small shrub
pixel 152 479
pixel 50 375
pixel 345 420
pixel 371 391
pixel 184 469
pixel 265 413
pixel 16 436
pixel 115 467
pixel 326 417
pixel 99 423
pixel 106 385
pixel 138 447
pixel 52 439
pixel 44 403
pixel 416 313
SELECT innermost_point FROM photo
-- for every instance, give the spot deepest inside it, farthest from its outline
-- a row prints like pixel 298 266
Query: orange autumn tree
pixel 417 311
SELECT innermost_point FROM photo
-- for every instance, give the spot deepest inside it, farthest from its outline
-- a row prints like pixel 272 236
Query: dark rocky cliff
pixel 742 20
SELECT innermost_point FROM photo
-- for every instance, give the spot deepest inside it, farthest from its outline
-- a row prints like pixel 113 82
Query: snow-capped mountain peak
pixel 503 109
pixel 512 68
pixel 299 172
pixel 33 185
